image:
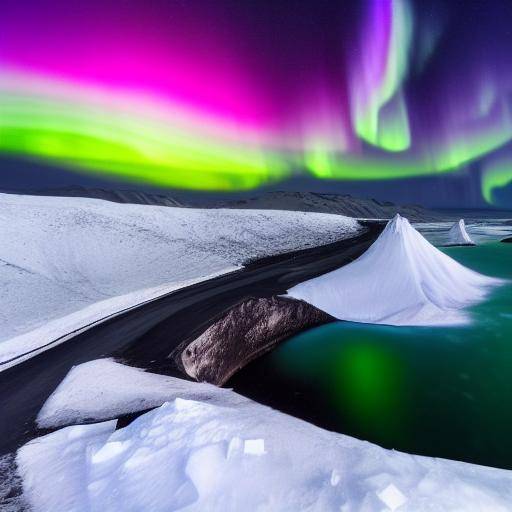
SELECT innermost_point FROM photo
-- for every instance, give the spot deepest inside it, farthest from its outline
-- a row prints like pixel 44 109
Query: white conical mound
pixel 400 280
pixel 458 234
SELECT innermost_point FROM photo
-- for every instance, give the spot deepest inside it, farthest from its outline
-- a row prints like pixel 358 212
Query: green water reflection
pixel 437 391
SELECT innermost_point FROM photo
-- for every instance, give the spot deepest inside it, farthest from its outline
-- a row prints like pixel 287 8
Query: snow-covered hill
pixel 401 279
pixel 209 449
pixel 65 262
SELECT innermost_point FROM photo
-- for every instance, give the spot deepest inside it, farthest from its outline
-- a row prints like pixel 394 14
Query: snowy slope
pixel 218 451
pixel 400 280
pixel 59 257
pixel 458 234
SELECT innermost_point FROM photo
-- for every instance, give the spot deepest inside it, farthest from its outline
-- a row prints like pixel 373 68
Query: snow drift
pixel 458 234
pixel 218 451
pixel 103 389
pixel 400 280
pixel 66 262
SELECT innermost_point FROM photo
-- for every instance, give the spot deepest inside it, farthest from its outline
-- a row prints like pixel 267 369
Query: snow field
pixel 67 262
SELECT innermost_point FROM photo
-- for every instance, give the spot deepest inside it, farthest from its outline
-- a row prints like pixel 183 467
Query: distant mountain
pixel 116 196
pixel 279 200
pixel 331 203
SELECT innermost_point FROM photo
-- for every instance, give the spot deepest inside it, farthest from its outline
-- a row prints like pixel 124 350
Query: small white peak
pixel 397 224
pixel 458 234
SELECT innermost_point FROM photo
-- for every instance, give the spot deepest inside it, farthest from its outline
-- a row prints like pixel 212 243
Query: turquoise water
pixel 437 391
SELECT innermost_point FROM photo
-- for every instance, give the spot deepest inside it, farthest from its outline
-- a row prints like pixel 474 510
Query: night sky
pixel 397 99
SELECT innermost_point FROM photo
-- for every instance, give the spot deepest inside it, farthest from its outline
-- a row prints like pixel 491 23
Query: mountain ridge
pixel 340 204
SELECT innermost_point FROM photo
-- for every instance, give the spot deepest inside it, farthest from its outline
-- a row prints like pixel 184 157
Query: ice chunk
pixel 254 446
pixel 458 234
pixel 400 280
pixel 392 497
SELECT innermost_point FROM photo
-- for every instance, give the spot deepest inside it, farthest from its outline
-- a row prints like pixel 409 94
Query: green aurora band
pixel 379 112
pixel 130 139
pixel 188 97
pixel 141 139
pixel 496 174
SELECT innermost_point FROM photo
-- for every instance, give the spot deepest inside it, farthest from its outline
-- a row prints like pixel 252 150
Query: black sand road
pixel 146 335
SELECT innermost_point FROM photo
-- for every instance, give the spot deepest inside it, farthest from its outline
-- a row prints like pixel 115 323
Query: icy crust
pixel 400 280
pixel 61 256
pixel 458 234
pixel 225 453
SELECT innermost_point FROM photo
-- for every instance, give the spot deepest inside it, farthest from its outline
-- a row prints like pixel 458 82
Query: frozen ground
pixel 401 279
pixel 214 450
pixel 67 262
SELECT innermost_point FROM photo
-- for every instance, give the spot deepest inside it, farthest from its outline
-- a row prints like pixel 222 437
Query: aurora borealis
pixel 225 95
